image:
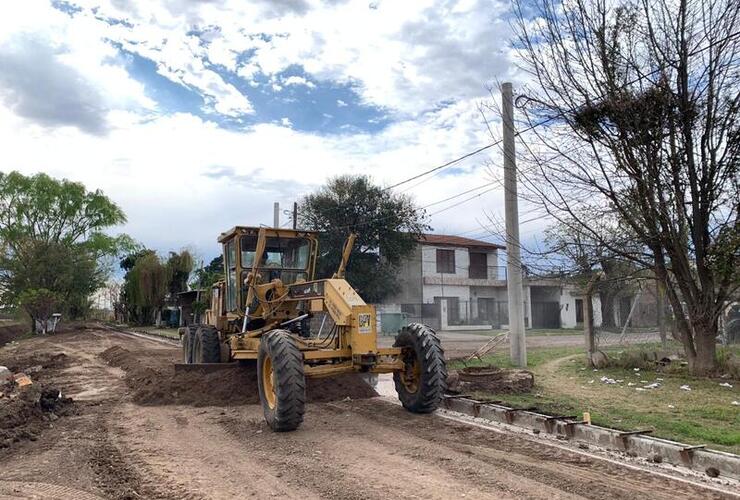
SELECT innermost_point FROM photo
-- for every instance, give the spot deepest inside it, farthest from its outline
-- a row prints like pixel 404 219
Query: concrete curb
pixel 143 335
pixel 696 458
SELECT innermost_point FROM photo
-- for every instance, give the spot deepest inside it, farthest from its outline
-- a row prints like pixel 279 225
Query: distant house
pixel 451 282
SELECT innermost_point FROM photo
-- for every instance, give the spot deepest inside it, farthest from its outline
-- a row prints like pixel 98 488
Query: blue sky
pixel 196 115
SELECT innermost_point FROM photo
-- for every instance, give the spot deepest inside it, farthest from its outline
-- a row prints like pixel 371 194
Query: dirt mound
pixel 10 332
pixel 37 362
pixel 29 412
pixel 491 379
pixel 233 386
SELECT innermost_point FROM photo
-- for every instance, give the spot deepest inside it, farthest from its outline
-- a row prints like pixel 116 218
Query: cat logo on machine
pixel 363 323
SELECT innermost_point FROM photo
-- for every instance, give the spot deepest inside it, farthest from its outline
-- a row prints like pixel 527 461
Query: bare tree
pixel 582 256
pixel 633 113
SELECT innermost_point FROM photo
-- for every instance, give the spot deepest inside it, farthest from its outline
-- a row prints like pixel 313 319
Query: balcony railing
pixel 487 273
pixel 489 276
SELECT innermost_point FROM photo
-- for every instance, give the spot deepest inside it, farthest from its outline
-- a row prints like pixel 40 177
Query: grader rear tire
pixel 206 348
pixel 281 381
pixel 187 337
pixel 423 381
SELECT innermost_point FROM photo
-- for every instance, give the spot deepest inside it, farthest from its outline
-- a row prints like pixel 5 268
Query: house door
pixel 453 308
pixel 545 315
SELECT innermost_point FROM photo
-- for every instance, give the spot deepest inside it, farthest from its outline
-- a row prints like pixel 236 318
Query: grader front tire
pixel 281 381
pixel 423 381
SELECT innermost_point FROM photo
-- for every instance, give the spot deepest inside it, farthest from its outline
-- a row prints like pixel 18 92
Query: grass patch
pixel 564 386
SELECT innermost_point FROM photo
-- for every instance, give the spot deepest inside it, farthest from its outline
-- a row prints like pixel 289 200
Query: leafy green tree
pixel 39 303
pixel 51 238
pixel 210 274
pixel 42 208
pixel 149 280
pixel 179 266
pixel 387 225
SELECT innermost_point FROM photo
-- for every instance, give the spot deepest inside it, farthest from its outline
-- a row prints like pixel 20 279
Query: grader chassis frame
pixel 262 309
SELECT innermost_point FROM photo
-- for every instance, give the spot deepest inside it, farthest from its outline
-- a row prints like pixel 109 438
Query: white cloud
pixel 404 56
pixel 58 71
pixel 298 80
pixel 164 172
pixel 182 179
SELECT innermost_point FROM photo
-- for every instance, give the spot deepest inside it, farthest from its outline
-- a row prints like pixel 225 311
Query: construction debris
pixel 5 374
pixel 685 388
pixel 22 380
pixel 725 384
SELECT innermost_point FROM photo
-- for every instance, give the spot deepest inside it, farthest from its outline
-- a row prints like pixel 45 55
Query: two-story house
pixel 452 282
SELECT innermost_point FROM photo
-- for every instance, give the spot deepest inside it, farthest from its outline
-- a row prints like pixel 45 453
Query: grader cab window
pixel 230 264
pixel 283 258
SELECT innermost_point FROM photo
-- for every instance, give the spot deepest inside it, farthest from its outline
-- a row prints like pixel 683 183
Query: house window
pixel 446 261
pixel 478 265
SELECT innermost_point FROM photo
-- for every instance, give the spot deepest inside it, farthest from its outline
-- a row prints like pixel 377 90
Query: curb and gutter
pixel 571 428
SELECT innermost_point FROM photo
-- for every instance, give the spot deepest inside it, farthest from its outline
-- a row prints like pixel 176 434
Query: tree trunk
pixel 660 312
pixel 705 361
pixel 607 309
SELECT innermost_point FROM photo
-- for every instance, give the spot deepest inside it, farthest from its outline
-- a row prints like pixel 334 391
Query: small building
pixel 185 301
pixel 450 282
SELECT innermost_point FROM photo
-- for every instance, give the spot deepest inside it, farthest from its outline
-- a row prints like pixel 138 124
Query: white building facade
pixel 453 283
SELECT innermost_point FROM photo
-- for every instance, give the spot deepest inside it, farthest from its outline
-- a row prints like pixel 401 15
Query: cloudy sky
pixel 195 116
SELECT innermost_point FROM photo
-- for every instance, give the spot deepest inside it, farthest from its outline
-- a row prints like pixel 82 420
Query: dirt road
pixel 137 431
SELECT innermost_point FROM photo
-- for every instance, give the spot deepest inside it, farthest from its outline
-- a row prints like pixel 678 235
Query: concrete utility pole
pixel 295 215
pixel 514 290
pixel 276 215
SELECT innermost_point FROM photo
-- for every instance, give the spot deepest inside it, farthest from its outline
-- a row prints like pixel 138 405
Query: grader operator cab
pixel 262 311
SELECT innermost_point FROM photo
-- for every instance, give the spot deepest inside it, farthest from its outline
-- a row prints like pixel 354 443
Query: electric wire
pixel 549 119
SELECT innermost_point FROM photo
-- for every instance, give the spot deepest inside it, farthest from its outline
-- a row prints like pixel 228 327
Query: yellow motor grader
pixel 262 311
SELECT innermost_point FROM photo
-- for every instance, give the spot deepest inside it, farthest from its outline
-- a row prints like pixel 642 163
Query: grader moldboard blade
pixel 204 367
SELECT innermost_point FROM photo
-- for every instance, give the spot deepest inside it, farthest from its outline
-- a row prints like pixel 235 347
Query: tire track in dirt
pixel 77 456
pixel 184 447
pixel 35 490
pixel 337 460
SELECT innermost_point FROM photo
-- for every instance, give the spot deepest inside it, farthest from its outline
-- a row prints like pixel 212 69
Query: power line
pixel 445 165
pixel 495 143
pixel 549 119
